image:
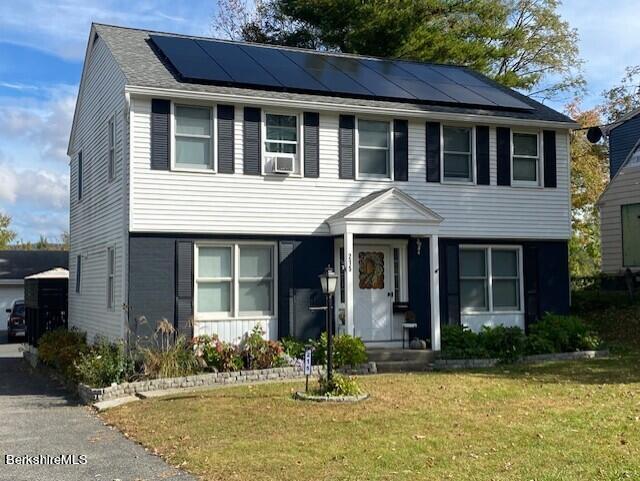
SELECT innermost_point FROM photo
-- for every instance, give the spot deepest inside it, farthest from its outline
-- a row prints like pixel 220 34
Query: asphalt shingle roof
pixel 143 67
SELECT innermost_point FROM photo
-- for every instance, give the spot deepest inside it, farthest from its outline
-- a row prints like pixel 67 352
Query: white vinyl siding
pixel 100 220
pixel 623 190
pixel 243 204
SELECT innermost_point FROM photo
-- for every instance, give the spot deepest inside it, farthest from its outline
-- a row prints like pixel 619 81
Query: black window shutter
pixel 346 153
pixel 503 135
pixel 226 115
pixel 400 150
pixel 531 297
pixel 433 151
pixel 184 288
pixel 452 253
pixel 252 141
pixel 549 140
pixel 160 134
pixel 482 155
pixel 311 124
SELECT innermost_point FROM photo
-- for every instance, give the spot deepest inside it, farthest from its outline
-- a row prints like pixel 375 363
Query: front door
pixel 373 292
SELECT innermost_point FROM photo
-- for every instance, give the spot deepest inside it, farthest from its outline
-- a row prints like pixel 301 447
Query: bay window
pixel 193 137
pixel 526 158
pixel 457 153
pixel 490 279
pixel 234 280
pixel 374 152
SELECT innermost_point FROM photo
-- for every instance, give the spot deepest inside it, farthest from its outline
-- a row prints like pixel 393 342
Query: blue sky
pixel 41 50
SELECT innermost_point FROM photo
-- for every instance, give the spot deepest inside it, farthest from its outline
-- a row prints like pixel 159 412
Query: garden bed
pixel 91 395
pixel 446 364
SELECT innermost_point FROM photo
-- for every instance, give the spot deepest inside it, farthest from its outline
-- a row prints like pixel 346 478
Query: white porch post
pixel 435 292
pixel 348 281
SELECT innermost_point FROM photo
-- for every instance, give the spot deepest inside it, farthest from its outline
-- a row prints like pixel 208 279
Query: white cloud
pixel 39 189
pixel 44 124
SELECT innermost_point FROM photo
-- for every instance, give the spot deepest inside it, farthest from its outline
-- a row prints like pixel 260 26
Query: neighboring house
pixel 212 182
pixel 620 203
pixel 15 266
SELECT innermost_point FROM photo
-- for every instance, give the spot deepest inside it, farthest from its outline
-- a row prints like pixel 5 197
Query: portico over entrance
pixel 387 248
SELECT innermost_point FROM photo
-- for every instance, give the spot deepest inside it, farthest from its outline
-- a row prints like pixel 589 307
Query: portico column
pixel 434 266
pixel 348 281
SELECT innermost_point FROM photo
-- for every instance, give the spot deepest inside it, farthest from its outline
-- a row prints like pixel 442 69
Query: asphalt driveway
pixel 37 417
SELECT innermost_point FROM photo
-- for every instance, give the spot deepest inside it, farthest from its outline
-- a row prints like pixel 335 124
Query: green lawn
pixel 564 421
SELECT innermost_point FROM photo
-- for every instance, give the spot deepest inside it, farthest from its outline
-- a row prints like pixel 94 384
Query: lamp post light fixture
pixel 328 281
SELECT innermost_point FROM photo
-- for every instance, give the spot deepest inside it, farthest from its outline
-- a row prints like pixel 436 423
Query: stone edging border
pixel 303 396
pixel 450 364
pixel 91 395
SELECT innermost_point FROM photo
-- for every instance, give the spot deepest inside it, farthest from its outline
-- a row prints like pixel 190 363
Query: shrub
pixel 104 363
pixel 459 342
pixel 347 350
pixel 292 347
pixel 536 344
pixel 565 333
pixel 505 343
pixel 171 360
pixel 217 354
pixel 260 353
pixel 61 348
pixel 341 386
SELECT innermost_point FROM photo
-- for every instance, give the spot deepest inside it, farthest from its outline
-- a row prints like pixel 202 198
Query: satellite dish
pixel 594 134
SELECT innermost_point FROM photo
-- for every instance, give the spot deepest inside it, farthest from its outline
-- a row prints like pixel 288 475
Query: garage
pixel 15 265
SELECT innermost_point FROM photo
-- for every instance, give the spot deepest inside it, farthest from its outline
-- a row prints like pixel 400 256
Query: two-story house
pixel 213 181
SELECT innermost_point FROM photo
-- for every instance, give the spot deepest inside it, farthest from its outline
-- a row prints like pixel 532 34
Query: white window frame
pixel 358 175
pixel 78 280
pixel 111 148
pixel 235 313
pixel 472 146
pixel 111 277
pixel 488 248
pixel 539 158
pixel 299 142
pixel 80 176
pixel 213 138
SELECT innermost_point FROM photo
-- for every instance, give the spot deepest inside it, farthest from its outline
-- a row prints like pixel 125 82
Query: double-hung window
pixel 281 142
pixel 457 153
pixel 111 269
pixel 526 158
pixel 111 149
pixel 79 180
pixel 193 137
pixel 631 235
pixel 234 280
pixel 78 272
pixel 374 149
pixel 490 279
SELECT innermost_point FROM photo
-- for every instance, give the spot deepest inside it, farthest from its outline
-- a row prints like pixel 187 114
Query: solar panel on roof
pixel 189 59
pixel 327 74
pixel 228 63
pixel 285 70
pixel 235 62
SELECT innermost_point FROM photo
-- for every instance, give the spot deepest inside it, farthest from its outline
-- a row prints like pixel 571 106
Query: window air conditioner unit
pixel 283 164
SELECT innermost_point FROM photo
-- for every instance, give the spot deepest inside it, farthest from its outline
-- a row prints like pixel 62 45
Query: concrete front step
pixel 379 355
pixel 403 366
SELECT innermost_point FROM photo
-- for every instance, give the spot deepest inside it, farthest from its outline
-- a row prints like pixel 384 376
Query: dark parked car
pixel 17 328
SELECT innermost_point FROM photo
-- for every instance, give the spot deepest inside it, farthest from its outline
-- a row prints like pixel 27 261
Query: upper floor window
pixel 457 153
pixel 281 144
pixel 374 149
pixel 490 279
pixel 111 270
pixel 193 137
pixel 111 149
pixel 630 235
pixel 78 272
pixel 79 178
pixel 526 158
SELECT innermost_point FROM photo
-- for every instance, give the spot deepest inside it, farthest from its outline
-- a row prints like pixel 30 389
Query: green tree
pixel 589 177
pixel 624 97
pixel 522 44
pixel 6 234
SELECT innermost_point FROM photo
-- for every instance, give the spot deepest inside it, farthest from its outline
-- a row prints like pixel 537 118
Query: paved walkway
pixel 38 418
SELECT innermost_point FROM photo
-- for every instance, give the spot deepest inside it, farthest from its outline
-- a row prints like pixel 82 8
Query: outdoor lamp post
pixel 328 281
